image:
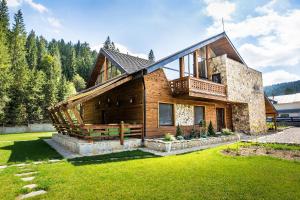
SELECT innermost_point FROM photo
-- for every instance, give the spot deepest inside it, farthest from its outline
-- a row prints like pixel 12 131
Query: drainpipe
pixel 144 97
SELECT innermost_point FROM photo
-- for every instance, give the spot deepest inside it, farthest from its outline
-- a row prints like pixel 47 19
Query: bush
pixel 210 130
pixel 180 137
pixel 226 131
pixel 179 131
pixel 203 129
pixel 169 137
pixel 193 133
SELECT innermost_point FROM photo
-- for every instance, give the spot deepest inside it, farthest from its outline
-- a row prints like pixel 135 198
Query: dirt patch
pixel 262 151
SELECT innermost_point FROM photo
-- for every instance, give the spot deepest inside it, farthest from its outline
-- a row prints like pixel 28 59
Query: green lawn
pixel 199 175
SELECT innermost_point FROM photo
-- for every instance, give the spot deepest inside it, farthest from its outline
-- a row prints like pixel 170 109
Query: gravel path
pixel 288 136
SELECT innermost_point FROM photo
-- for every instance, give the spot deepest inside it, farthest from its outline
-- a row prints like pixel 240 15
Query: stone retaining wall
pixel 86 148
pixel 164 146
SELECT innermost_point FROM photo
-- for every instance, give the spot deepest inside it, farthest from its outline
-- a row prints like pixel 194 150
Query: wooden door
pixel 220 118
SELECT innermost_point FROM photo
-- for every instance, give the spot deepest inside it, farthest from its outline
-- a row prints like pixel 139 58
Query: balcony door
pixel 220 118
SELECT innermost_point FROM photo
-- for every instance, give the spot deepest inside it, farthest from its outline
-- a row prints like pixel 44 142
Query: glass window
pixel 166 116
pixel 199 114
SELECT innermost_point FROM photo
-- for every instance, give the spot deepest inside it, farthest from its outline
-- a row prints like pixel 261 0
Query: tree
pixel 16 108
pixel 4 18
pixel 79 82
pixel 151 56
pixel 210 130
pixel 32 50
pixel 107 43
pixel 179 131
pixel 42 50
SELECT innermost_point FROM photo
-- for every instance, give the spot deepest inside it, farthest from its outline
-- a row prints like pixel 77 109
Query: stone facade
pixel 184 115
pixel 245 91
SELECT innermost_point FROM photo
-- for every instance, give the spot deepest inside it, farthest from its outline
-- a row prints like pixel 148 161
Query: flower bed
pixel 159 144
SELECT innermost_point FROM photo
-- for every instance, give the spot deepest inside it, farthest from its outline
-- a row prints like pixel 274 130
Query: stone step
pixel 30 186
pixel 26 174
pixel 32 194
pixel 28 178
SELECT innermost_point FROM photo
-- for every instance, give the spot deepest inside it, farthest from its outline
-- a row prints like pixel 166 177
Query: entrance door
pixel 220 119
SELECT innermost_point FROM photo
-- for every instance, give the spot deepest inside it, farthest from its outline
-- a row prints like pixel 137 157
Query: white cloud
pixel 14 3
pixel 218 9
pixel 36 6
pixel 277 36
pixel 123 49
pixel 279 76
pixel 54 22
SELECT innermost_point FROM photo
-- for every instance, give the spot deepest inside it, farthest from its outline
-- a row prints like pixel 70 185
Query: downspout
pixel 144 102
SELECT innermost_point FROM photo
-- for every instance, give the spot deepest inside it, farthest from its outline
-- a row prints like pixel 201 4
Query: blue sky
pixel 265 32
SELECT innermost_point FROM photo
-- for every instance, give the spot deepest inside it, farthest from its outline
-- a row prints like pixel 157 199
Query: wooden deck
pixel 195 87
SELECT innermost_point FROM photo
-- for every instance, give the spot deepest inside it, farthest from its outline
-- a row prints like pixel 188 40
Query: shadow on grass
pixel 31 150
pixel 112 157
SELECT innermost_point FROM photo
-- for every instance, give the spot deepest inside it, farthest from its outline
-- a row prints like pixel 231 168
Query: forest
pixel 36 73
pixel 283 88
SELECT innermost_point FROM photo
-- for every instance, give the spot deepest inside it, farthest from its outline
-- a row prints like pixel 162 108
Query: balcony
pixel 194 87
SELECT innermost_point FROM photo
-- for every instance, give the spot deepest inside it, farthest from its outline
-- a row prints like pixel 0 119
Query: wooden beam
pixel 98 92
pixel 66 113
pixel 207 57
pixel 181 66
pixel 105 69
pixel 77 116
pixel 196 66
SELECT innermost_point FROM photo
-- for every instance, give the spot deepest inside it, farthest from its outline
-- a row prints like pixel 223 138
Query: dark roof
pixel 127 62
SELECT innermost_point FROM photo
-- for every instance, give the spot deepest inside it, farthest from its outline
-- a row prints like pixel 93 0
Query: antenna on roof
pixel 223 24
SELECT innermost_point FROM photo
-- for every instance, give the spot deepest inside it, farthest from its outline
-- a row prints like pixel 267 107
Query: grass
pixel 26 147
pixel 272 145
pixel 206 174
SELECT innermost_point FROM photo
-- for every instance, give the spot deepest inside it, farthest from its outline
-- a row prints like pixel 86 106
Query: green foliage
pixel 202 124
pixel 78 82
pixel 282 88
pixel 151 56
pixel 210 130
pixel 226 131
pixel 32 50
pixel 193 133
pixel 169 137
pixel 179 131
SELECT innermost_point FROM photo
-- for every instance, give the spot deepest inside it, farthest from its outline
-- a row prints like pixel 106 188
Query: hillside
pixel 283 88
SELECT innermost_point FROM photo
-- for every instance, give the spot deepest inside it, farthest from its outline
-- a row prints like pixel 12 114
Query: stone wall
pixel 245 86
pixel 164 146
pixel 184 115
pixel 28 128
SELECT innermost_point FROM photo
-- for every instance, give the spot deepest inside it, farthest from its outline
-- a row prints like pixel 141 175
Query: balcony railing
pixel 196 87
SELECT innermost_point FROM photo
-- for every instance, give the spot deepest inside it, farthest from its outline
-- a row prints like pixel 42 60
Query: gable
pixel 219 44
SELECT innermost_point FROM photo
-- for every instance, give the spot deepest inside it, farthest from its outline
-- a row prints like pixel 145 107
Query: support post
pixel 196 66
pixel 77 115
pixel 181 67
pixel 275 122
pixel 122 133
pixel 207 57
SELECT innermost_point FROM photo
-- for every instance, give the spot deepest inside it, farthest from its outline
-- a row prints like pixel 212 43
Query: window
pixel 216 78
pixel 166 117
pixel 199 114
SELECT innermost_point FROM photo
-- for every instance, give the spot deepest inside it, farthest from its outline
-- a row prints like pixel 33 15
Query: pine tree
pixel 16 107
pixel 42 50
pixel 79 82
pixel 210 130
pixel 4 18
pixel 113 47
pixel 32 50
pixel 151 56
pixel 107 43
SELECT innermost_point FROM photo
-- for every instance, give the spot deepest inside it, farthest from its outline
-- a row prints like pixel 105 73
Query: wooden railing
pixel 190 84
pixel 105 131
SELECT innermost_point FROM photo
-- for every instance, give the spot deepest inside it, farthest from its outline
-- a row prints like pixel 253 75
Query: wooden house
pixel 208 81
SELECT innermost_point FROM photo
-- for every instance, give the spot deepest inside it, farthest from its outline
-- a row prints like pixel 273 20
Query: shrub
pixel 226 131
pixel 193 133
pixel 203 129
pixel 169 137
pixel 180 137
pixel 179 131
pixel 210 130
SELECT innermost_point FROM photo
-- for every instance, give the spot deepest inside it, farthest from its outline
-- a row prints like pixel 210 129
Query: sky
pixel 266 33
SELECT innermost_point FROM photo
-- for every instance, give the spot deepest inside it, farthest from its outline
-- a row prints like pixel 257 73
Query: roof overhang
pixel 220 44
